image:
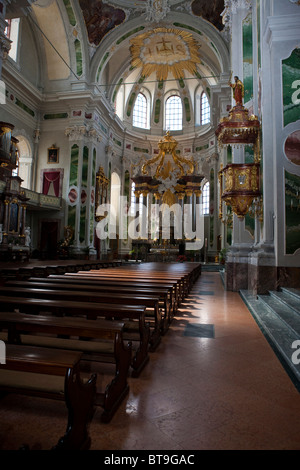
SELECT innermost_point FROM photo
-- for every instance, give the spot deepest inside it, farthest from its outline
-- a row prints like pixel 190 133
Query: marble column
pixel 188 216
pixel 237 257
pixel 181 197
pixel 272 265
pixel 144 216
pixel 155 218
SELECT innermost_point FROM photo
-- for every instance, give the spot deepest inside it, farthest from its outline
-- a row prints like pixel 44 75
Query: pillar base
pixel 236 276
pixel 262 270
pixel 257 272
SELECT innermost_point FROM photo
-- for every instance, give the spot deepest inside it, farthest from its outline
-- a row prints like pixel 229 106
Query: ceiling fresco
pixel 209 10
pixel 100 18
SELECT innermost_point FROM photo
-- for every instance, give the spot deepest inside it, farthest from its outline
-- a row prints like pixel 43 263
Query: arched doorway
pixel 48 238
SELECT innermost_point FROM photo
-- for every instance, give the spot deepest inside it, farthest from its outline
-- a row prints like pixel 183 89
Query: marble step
pixel 277 331
pixel 288 299
pixel 292 291
pixel 283 310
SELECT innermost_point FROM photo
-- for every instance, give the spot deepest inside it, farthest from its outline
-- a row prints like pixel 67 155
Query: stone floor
pixel 214 383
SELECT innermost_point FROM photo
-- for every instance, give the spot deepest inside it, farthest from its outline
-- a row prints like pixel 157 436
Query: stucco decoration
pixel 164 50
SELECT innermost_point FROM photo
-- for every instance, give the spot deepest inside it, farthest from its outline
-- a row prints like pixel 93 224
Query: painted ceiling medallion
pixel 164 51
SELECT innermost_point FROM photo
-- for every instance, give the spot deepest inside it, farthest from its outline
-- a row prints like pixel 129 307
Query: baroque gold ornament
pixel 164 169
pixel 241 186
pixel 164 51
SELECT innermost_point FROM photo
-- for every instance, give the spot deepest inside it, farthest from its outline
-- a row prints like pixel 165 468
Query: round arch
pixel 25 161
pixel 214 49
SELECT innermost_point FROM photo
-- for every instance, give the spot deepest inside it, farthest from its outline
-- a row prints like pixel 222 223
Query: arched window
pixel 12 32
pixel 205 199
pixel 205 110
pixel 133 206
pixel 139 118
pixel 173 113
pixel 25 161
pixel 15 171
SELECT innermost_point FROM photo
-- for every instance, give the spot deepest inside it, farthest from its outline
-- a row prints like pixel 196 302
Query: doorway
pixel 49 239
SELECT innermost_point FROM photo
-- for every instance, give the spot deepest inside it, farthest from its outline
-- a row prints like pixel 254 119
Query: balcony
pixel 42 201
pixel 38 200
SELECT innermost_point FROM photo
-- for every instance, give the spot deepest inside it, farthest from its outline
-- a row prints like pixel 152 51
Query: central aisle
pixel 223 389
pixel 213 383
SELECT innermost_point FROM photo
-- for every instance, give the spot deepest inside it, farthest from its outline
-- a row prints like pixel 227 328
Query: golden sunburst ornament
pixel 165 50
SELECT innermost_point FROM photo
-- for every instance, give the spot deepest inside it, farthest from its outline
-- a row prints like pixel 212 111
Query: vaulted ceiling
pixel 115 27
pixel 137 44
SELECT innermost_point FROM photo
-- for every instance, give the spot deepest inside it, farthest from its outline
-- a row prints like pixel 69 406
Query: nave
pixel 213 383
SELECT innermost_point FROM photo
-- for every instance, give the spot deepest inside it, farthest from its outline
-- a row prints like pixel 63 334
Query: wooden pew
pixel 164 294
pixel 44 270
pixel 52 373
pixel 183 277
pixel 101 338
pixel 191 271
pixel 90 310
pixel 179 281
pixel 187 274
pixel 86 296
pixel 175 299
pixel 84 281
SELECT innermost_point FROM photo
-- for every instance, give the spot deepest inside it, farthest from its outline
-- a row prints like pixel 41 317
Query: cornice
pixel 282 28
pixel 20 85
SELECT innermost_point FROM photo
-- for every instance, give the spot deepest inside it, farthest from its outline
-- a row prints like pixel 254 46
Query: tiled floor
pixel 223 390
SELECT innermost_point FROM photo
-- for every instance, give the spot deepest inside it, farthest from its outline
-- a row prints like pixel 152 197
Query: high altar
pixel 167 182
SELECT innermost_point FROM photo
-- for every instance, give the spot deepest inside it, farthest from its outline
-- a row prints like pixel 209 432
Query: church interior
pixel 150 225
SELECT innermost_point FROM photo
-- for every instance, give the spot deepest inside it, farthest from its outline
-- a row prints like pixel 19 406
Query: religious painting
pixel 53 154
pixel 14 217
pixel 100 18
pixel 210 11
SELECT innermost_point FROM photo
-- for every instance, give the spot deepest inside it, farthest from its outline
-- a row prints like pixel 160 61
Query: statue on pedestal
pixel 27 236
pixel 238 90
